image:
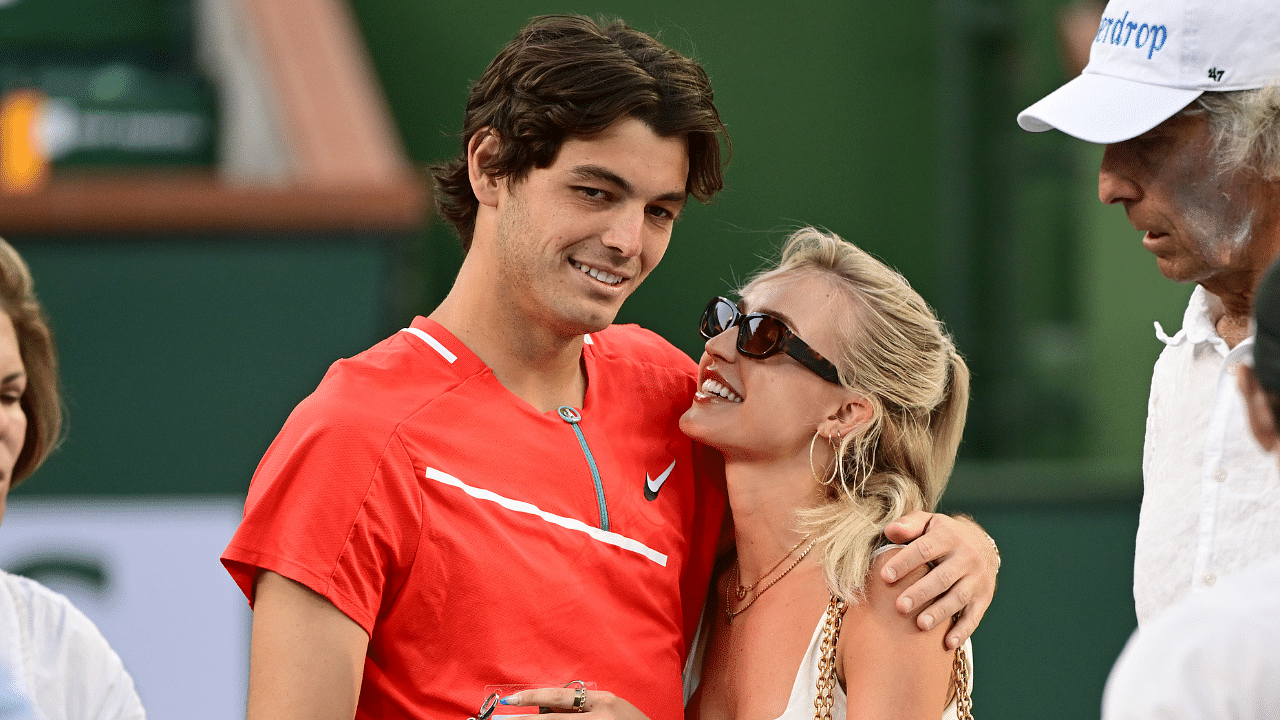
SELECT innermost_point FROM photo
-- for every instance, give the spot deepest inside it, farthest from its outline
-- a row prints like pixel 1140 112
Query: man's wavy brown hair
pixel 568 76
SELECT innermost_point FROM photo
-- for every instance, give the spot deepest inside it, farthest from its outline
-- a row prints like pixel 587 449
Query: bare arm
pixel 963 580
pixel 892 670
pixel 306 659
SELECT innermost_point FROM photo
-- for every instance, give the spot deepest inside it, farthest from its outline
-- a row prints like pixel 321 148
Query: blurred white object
pixel 1209 657
pixel 146 572
pixel 59 659
pixel 14 703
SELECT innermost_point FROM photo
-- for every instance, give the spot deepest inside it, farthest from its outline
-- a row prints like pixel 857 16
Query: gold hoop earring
pixel 813 471
pixel 838 470
pixel 862 473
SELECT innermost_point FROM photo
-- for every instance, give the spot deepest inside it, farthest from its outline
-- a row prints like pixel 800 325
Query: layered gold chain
pixel 735 576
pixel 827 662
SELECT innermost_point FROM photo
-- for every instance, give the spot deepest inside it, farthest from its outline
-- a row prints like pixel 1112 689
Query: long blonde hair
pixel 895 352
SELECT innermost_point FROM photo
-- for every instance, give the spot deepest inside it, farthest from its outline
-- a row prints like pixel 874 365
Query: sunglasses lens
pixel 718 317
pixel 761 336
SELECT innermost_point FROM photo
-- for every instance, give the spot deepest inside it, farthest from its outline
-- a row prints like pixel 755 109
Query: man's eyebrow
pixel 604 174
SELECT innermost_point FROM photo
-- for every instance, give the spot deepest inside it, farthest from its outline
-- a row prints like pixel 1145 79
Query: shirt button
pixel 1219 474
pixel 1209 578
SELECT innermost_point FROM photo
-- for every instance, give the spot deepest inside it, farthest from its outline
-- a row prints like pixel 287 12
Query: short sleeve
pixel 334 505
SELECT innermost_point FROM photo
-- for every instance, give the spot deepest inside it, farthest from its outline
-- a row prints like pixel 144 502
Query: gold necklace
pixel 741 591
pixel 729 612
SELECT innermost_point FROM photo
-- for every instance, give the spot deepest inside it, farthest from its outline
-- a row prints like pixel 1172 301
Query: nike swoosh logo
pixel 652 485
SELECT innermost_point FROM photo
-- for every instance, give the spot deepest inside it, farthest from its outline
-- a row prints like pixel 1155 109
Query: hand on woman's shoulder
pixel 891 669
pixel 881 596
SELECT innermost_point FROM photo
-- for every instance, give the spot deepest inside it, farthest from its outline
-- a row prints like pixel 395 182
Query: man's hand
pixel 963 579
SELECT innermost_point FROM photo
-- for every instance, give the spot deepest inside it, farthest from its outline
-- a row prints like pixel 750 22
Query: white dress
pixel 58 659
pixel 805 688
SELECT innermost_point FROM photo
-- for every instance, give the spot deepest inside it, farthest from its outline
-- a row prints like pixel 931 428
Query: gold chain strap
pixel 827 662
pixel 827 668
pixel 960 679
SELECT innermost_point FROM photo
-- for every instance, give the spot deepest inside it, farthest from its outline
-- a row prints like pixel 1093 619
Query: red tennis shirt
pixel 481 542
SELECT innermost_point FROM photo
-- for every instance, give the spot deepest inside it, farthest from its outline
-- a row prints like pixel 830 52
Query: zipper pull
pixel 573 417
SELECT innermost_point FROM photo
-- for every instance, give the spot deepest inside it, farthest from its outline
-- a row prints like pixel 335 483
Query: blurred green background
pixel 891 124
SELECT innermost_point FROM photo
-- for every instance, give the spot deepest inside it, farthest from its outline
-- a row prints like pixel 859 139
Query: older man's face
pixel 1198 222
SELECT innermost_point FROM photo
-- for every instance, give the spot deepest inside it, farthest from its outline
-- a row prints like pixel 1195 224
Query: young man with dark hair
pixel 500 493
pixel 528 96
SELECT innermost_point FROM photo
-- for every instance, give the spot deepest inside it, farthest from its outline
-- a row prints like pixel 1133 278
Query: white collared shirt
pixel 1211 496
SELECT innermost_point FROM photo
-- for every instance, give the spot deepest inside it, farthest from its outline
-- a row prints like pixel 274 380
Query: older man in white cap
pixel 1212 655
pixel 1185 94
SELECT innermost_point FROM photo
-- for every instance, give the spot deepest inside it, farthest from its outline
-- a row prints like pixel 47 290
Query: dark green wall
pixel 1063 609
pixel 805 99
pixel 181 357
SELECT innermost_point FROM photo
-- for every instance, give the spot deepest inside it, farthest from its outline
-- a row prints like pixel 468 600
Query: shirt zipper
pixel 573 417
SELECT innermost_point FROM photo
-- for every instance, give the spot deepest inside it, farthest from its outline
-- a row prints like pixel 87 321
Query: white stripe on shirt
pixel 604 536
pixel 434 343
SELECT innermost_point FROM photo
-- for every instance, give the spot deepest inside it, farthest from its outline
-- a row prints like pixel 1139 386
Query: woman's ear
pixel 852 415
pixel 1258 406
pixel 481 149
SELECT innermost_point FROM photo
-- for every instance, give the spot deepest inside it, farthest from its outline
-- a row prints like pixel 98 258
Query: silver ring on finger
pixel 579 695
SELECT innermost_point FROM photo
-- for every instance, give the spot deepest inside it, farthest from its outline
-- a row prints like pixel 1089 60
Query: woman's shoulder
pixel 881 596
pixel 892 668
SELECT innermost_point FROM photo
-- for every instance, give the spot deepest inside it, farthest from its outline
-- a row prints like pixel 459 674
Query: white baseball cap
pixel 1151 58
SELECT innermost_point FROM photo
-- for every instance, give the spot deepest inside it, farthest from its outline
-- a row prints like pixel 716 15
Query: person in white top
pixel 53 656
pixel 838 401
pixel 15 704
pixel 1212 654
pixel 1184 95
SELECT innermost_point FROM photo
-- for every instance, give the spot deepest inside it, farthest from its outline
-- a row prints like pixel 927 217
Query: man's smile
pixel 603 276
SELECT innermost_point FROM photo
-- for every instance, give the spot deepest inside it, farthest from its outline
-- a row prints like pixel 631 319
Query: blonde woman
pixel 838 401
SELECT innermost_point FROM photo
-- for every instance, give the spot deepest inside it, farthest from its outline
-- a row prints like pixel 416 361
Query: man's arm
pixel 306 659
pixel 963 579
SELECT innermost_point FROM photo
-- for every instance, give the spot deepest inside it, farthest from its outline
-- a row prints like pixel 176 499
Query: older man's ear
pixel 1258 405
